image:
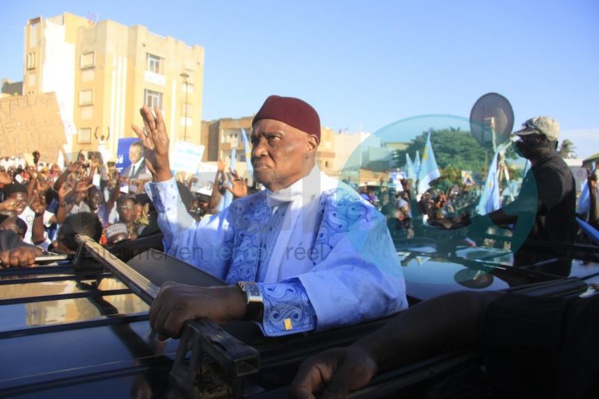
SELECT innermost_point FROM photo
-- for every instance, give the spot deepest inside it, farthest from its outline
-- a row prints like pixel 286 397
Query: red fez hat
pixel 292 111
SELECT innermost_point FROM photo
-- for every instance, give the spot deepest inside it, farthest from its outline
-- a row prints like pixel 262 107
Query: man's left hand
pixel 176 303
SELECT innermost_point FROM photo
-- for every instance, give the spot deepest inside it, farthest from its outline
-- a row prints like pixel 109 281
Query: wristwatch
pixel 253 299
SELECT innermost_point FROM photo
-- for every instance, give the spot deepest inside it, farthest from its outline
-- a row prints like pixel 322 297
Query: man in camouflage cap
pixel 545 211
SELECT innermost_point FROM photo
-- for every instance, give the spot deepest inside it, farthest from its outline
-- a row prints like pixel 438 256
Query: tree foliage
pixel 567 149
pixel 453 149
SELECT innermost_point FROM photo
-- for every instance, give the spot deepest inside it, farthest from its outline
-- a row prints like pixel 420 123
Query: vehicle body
pixel 80 329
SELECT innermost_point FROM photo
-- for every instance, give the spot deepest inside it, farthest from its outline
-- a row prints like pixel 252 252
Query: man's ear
pixel 312 141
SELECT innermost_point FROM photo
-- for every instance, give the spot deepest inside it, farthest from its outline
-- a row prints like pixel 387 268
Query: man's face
pixel 134 153
pixel 280 153
pixel 80 192
pixel 139 208
pixel 126 211
pixel 94 199
pixel 20 201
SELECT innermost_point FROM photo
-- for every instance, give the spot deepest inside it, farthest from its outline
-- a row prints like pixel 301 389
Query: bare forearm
pixel 431 328
pixel 162 175
pixel 216 196
pixel 61 213
pixel 31 187
pixel 38 231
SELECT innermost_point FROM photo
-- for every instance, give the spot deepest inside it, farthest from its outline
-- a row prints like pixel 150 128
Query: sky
pixel 366 64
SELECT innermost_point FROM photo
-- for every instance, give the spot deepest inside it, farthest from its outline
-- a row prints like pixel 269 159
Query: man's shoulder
pixel 244 204
pixel 551 161
pixel 552 166
pixel 347 198
pixel 342 191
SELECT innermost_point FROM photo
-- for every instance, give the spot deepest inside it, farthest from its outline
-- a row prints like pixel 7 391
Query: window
pixel 186 112
pixel 86 97
pixel 188 88
pixel 31 60
pixel 152 99
pixel 87 60
pixel 187 109
pixel 84 135
pixel 33 32
pixel 87 75
pixel 154 63
pixel 87 112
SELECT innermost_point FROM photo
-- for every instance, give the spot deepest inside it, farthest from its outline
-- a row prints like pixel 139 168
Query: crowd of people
pixel 35 199
pixel 299 253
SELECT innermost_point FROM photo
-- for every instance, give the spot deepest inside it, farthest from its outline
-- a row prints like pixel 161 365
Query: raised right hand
pixel 155 141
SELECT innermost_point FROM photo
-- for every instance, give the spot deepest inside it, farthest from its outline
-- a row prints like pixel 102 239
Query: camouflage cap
pixel 540 125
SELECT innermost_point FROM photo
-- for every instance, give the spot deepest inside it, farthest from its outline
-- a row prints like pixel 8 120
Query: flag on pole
pixel 227 198
pixel 490 198
pixel 417 164
pixel 429 170
pixel 233 157
pixel 247 150
pixel 410 170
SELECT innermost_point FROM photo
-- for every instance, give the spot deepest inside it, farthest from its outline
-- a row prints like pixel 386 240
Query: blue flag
pixel 429 170
pixel 247 150
pixel 417 164
pixel 227 198
pixel 490 198
pixel 410 170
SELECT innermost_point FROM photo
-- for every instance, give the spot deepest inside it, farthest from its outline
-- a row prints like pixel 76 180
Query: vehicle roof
pixel 76 328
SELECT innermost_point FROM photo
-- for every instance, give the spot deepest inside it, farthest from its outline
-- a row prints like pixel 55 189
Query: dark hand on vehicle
pixel 19 257
pixel 334 373
pixel 176 303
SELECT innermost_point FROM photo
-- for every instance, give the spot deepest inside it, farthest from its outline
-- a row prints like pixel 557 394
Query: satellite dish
pixel 491 119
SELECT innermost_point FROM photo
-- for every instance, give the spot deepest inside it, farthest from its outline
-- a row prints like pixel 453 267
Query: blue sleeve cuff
pixel 287 309
pixel 163 194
